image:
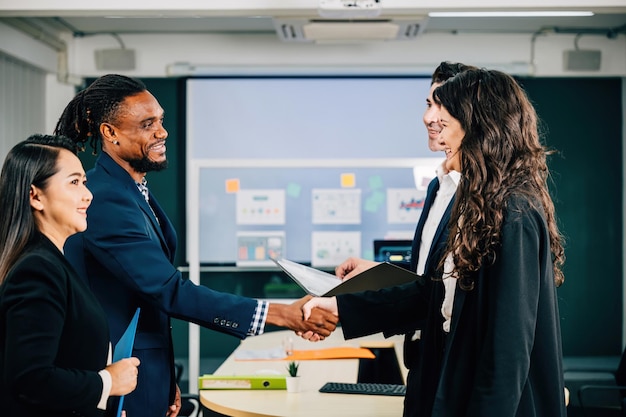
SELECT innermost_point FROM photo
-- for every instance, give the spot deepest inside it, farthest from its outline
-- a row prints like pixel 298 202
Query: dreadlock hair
pixel 99 103
pixel 500 156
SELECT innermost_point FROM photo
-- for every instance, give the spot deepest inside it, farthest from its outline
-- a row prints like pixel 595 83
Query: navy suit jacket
pixel 127 255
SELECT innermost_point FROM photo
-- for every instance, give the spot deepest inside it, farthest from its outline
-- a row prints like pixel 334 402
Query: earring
pixel 114 142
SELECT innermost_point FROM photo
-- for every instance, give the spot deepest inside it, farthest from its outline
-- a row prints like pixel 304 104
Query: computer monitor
pixel 397 252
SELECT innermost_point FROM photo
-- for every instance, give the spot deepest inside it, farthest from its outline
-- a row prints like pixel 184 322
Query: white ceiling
pixel 121 17
pixel 608 24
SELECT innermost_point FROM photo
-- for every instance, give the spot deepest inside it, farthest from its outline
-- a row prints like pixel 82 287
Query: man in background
pixel 432 229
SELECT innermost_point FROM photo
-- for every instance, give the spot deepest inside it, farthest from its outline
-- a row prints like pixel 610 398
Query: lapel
pixel 431 193
pixel 151 210
pixel 129 186
pixel 164 228
pixel 441 235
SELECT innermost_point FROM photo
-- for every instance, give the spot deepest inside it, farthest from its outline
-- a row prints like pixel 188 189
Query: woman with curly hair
pixel 492 340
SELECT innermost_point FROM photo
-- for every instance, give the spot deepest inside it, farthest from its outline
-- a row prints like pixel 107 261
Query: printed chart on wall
pixel 317 215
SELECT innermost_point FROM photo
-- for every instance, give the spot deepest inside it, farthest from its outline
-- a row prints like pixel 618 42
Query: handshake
pixel 315 318
pixel 312 318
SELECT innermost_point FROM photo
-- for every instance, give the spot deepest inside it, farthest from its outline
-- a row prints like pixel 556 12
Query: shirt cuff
pixel 107 383
pixel 417 335
pixel 257 327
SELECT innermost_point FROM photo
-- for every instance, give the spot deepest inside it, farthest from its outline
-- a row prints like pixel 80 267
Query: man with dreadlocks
pixel 127 251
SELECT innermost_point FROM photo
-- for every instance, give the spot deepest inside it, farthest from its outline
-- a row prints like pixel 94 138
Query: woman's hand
pixel 123 376
pixel 352 267
pixel 328 304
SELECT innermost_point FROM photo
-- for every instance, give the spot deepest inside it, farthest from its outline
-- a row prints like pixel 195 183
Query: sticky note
pixel 293 190
pixel 371 205
pixel 375 182
pixel 232 185
pixel 348 180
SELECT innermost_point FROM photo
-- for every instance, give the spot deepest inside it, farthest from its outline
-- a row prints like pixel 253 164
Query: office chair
pixel 190 403
pixel 610 399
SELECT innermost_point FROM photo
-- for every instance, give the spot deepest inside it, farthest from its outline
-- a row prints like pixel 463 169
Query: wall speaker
pixel 582 60
pixel 115 59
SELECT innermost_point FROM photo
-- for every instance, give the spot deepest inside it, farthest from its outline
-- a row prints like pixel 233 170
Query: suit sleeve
pixel 120 237
pixel 393 310
pixel 35 300
pixel 514 285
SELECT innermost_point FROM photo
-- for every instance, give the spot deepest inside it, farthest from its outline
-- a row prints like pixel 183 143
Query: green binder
pixel 242 382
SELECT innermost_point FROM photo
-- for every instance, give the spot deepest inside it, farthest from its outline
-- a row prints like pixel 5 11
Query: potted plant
pixel 293 379
pixel 292 368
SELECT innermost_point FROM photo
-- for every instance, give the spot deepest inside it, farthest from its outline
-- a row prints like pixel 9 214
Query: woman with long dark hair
pixel 55 352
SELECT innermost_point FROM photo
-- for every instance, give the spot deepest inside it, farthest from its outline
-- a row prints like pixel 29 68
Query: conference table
pixel 308 402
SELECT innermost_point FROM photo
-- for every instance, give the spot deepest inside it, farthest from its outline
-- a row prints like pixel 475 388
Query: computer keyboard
pixel 363 388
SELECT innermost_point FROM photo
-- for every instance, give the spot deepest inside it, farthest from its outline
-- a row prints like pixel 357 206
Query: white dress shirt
pixel 107 382
pixel 449 283
pixel 448 182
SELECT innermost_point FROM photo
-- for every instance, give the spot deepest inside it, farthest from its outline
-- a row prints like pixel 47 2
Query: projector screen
pixel 313 169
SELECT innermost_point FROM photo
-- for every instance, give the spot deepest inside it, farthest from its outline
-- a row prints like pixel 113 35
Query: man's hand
pixel 353 266
pixel 291 316
pixel 174 409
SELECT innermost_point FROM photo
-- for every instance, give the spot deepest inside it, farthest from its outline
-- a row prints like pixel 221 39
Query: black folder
pixel 324 284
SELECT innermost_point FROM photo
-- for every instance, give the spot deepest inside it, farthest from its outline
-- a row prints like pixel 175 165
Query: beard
pixel 144 164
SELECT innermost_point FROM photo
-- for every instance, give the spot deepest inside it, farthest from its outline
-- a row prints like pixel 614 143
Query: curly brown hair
pixel 501 156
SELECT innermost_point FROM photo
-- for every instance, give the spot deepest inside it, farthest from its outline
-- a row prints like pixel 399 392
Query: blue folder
pixel 124 348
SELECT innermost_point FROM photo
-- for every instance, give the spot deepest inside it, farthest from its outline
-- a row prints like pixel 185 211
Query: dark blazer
pixel 435 253
pixel 127 256
pixel 55 338
pixel 502 357
pixel 413 348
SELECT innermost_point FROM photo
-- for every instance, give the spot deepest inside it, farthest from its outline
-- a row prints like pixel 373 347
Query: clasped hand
pixel 321 314
pixel 317 323
pixel 327 305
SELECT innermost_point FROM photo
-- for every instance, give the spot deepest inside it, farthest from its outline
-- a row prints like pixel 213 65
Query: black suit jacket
pixel 435 253
pixel 417 315
pixel 502 357
pixel 54 336
pixel 412 348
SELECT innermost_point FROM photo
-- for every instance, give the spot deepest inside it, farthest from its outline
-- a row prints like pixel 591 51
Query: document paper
pixel 323 284
pixel 124 348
